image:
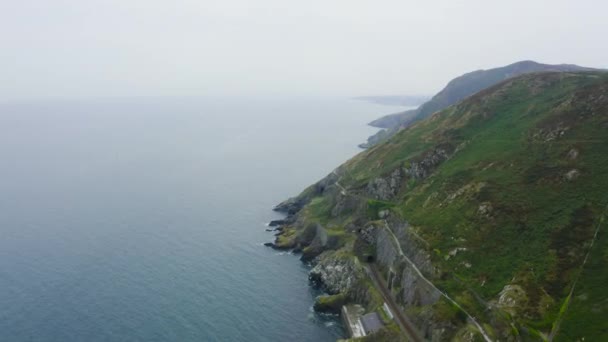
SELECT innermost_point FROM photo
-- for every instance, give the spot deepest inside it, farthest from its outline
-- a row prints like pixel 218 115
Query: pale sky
pixel 84 48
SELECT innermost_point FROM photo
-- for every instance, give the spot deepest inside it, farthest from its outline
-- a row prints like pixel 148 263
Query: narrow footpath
pixel 406 326
pixel 445 295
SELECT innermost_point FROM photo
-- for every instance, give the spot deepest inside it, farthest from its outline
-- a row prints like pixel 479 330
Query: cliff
pixel 485 221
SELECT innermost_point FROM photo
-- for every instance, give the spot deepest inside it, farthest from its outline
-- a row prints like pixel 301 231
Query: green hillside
pixel 507 192
pixel 458 89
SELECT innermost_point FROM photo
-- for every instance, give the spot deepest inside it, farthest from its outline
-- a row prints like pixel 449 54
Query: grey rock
pixel 573 154
pixel 572 174
pixel 335 273
pixel 423 168
pixel 385 188
pixel 295 204
pixel 369 234
pixel 275 223
pixel 415 291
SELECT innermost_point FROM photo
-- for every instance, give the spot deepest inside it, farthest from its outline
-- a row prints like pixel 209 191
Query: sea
pixel 144 218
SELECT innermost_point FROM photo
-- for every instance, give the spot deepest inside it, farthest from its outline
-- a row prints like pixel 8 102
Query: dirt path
pixel 423 278
pixel 396 311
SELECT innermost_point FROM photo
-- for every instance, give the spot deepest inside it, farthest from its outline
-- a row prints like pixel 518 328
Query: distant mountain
pixel 458 89
pixel 395 100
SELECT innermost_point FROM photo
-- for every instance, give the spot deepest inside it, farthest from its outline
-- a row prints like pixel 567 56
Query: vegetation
pixel 330 303
pixel 517 202
pixel 457 90
pixel 374 207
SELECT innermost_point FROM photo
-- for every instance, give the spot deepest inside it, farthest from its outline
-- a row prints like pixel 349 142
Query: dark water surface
pixel 143 219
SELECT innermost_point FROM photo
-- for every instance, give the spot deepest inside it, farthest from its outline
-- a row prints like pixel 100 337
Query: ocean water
pixel 143 219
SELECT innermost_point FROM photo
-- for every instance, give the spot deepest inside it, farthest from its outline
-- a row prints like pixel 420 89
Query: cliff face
pixel 457 90
pixel 485 221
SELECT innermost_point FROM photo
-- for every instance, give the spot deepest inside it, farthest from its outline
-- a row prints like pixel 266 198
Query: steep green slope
pixel 460 88
pixel 505 194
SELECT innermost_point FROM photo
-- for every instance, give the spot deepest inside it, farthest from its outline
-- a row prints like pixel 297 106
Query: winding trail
pixel 378 282
pixel 445 295
pixel 337 183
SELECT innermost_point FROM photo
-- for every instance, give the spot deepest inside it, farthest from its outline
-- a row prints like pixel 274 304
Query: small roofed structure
pixel 359 325
pixel 371 322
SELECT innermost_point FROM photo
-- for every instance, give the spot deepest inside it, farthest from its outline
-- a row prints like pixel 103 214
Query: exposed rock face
pixel 386 253
pixel 551 133
pixel 330 304
pixel 310 239
pixel 432 159
pixel 512 298
pixel 485 209
pixel 276 223
pixel 369 233
pixel 295 204
pixel 412 291
pixel 413 246
pixel 573 154
pixel 335 273
pixel 346 204
pixel 415 291
pixel 382 214
pixel 316 244
pixel 387 187
pixel 291 206
pixel 471 205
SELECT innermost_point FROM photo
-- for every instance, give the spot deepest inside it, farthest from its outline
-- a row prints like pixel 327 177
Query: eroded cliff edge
pixel 484 221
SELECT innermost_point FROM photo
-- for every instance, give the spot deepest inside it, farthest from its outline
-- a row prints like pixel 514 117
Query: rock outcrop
pixel 520 163
pixel 385 188
pixel 336 272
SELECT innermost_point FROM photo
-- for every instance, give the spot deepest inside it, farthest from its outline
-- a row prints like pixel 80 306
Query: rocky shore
pixel 432 222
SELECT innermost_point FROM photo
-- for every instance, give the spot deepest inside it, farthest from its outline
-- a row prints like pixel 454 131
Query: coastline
pixel 334 270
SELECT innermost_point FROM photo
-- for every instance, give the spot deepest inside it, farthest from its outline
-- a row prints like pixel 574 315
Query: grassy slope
pixel 472 82
pixel 539 224
pixel 458 89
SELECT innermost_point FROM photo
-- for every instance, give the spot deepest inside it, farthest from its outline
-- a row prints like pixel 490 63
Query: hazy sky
pixel 74 48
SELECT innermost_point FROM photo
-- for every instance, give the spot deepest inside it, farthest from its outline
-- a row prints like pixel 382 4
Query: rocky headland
pixel 481 223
